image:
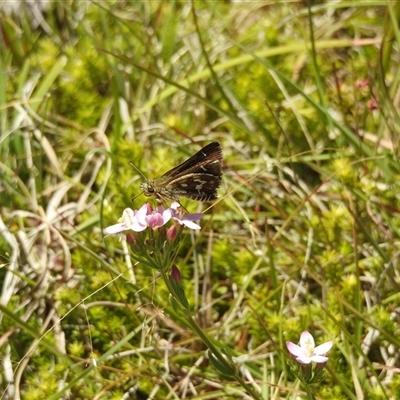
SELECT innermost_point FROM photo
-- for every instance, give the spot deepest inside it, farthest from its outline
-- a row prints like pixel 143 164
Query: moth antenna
pixel 133 198
pixel 137 170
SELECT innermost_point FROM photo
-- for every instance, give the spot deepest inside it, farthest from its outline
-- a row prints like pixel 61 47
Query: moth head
pixel 147 189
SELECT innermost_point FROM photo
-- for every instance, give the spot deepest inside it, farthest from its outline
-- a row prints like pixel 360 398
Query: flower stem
pixel 310 394
pixel 223 360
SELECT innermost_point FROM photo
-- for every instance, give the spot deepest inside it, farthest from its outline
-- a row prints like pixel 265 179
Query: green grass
pixel 305 234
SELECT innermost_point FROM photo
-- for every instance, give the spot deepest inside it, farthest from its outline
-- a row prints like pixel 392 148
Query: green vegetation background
pixel 304 99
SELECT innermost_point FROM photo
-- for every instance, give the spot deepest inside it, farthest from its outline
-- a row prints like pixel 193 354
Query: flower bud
pixel 130 238
pixel 176 274
pixel 172 232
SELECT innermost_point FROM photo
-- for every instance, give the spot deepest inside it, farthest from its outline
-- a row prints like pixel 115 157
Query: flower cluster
pixel 147 217
pixel 155 247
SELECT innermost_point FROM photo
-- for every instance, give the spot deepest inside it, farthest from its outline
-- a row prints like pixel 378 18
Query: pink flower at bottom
pixel 307 352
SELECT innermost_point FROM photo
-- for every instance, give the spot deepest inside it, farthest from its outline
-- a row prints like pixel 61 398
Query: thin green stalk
pixel 228 366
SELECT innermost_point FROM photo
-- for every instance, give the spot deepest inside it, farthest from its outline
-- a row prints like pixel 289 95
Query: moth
pixel 197 178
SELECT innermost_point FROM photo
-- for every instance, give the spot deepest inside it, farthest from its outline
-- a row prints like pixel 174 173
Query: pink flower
pixel 307 352
pixel 157 218
pixel 184 219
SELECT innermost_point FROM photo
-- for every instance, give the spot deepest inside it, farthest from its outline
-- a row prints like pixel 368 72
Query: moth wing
pixel 212 151
pixel 202 187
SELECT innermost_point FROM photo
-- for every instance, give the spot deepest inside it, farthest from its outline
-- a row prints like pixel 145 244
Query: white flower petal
pixel 175 205
pixel 323 348
pixel 128 217
pixel 142 213
pixel 137 226
pixel 294 349
pixel 167 215
pixel 306 340
pixel 191 224
pixel 319 359
pixel 115 228
pixel 304 359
